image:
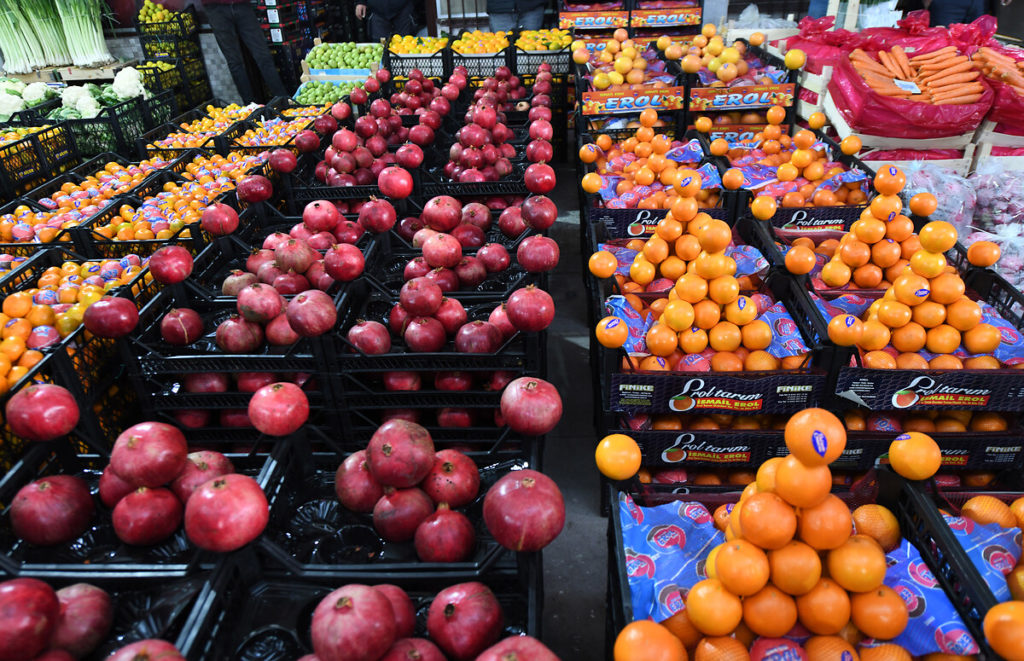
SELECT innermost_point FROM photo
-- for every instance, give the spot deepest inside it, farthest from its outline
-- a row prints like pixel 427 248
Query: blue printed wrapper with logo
pixel 690 152
pixel 638 325
pixel 756 175
pixel 846 177
pixel 994 550
pixel 934 625
pixel 854 304
pixel 709 177
pixel 666 547
pixel 749 260
pixel 786 340
pixel 623 256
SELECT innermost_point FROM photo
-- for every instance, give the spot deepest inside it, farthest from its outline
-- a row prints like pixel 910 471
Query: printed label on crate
pixel 276 36
pixel 714 393
pixel 623 223
pixel 908 389
pixel 661 18
pixel 595 44
pixel 602 103
pixel 811 220
pixel 690 449
pixel 739 135
pixel 755 96
pixel 273 16
pixel 585 20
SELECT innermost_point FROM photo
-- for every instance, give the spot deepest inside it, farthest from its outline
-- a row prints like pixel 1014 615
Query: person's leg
pixel 404 24
pixel 501 22
pixel 223 27
pixel 532 19
pixel 255 41
pixel 947 12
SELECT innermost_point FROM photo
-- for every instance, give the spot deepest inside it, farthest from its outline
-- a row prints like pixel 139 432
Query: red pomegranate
pixel 353 623
pixel 29 611
pixel 499 318
pixel 278 409
pixel 356 487
pixel 451 314
pixel 200 467
pixel 147 516
pixel 280 333
pixel 254 188
pixel 237 279
pixel 445 536
pixel 226 513
pixel 148 650
pixel 518 648
pixel 311 313
pixel 494 257
pixel 413 649
pixel 111 316
pixel 112 488
pixel 149 454
pixel 344 262
pixel 259 303
pixel 294 255
pixel 464 620
pixel 524 510
pixel 531 406
pixel 530 309
pixel 402 607
pixel 182 326
pixel 538 254
pixel 442 213
pixel 420 297
pixel 237 335
pixel 399 512
pixel 400 453
pixel 86 616
pixel 219 219
pixel 453 479
pixel 377 216
pixel 51 510
pixel 170 264
pixel 370 337
pixel 478 337
pixel 42 412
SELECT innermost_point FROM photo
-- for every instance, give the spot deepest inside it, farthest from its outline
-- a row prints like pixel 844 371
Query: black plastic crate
pixel 159 109
pixel 250 615
pixel 98 552
pixel 923 526
pixel 162 80
pixel 26 163
pixel 166 45
pixel 91 243
pixel 525 63
pixel 310 533
pixel 436 65
pixel 182 24
pixel 146 147
pixel 113 129
pixel 35 114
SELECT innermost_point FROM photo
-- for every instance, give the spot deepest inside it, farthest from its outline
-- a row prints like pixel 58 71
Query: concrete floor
pixel 575 565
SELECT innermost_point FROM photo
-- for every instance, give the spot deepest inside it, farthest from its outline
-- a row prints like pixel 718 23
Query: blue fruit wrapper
pixel 854 304
pixel 749 260
pixel 934 625
pixel 666 547
pixel 786 340
pixel 638 325
pixel 623 256
pixel 846 177
pixel 709 177
pixel 690 152
pixel 756 175
pixel 994 550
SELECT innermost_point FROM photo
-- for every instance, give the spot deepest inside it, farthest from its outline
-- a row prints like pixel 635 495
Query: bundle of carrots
pixel 942 77
pixel 998 66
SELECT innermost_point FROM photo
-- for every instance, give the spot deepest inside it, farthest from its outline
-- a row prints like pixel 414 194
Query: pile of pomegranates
pixel 414 494
pixel 377 623
pixel 245 383
pixel 152 484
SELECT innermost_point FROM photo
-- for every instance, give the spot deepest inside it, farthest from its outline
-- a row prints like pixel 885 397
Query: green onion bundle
pixel 83 31
pixel 21 49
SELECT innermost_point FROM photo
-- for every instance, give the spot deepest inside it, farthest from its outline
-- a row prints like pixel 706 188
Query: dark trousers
pixel 381 27
pixel 234 25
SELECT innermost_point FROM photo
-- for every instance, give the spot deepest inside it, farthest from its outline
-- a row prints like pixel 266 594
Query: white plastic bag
pixel 954 193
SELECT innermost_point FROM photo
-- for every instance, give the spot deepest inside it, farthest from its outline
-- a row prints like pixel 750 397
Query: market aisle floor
pixel 575 564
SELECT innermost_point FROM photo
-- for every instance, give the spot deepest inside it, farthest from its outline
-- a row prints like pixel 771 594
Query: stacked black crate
pixel 178 40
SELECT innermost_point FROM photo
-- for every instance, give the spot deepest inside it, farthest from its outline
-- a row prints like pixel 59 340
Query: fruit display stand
pixel 34 159
pixel 436 64
pixel 612 15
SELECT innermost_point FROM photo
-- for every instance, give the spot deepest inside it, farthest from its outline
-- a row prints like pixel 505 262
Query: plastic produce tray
pixel 115 127
pixel 29 162
pixel 435 65
pixel 159 109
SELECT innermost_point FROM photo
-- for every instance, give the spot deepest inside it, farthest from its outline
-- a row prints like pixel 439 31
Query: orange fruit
pixel 923 204
pixel 909 338
pixel 763 207
pixel 1004 629
pixel 869 230
pixel 937 236
pixel 835 273
pixel 795 568
pixel 915 456
pixel 944 339
pixel 724 289
pixel 946 288
pixel 691 288
pixel 661 340
pixel 930 315
pixel 770 612
pixel 706 314
pixel 742 311
pixel 879 613
pixel 767 521
pixel 855 253
pixel 725 336
pixel 850 145
pixel 875 336
pixel 983 338
pixel 899 228
pixel 963 314
pixel 765 478
pixel 878 523
pixel 645 640
pixel 989 509
pixel 721 648
pixel 885 652
pixel 889 180
pixel 603 264
pixel 693 340
pixel 981 363
pixel 800 260
pixel 815 436
pixel 858 565
pixel 677 315
pixel 826 526
pixel 825 609
pixel 988 422
pixel 845 330
pixel 756 335
pixel 742 567
pixel 17 304
pixel 927 264
pixel 611 332
pixel 687 246
pixel 829 648
pixel 712 609
pixel 911 289
pixel 681 627
pixel 760 361
pixel 885 207
pixel 893 313
pixel 618 457
pixel 800 485
pixel 983 253
pixel 715 236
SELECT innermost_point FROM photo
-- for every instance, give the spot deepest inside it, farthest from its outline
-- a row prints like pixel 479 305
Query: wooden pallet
pixel 963 165
pixel 842 128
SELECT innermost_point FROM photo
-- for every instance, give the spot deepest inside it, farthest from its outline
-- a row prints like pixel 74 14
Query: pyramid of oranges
pixel 621 64
pixel 704 307
pixel 790 557
pixel 924 306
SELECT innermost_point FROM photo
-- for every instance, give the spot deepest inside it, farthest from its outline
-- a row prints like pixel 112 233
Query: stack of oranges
pixel 708 51
pixel 790 557
pixel 34 319
pixel 621 64
pixel 648 177
pixel 704 307
pixel 272 132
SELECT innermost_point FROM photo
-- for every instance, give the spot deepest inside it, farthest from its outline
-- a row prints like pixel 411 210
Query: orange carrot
pixel 955 92
pixel 873 67
pixel 933 54
pixel 959 100
pixel 900 58
pixel 952 79
pixel 888 63
pixel 945 65
pixel 948 71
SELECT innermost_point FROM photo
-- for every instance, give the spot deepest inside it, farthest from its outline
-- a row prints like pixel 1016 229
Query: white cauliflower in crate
pixel 10 104
pixel 128 84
